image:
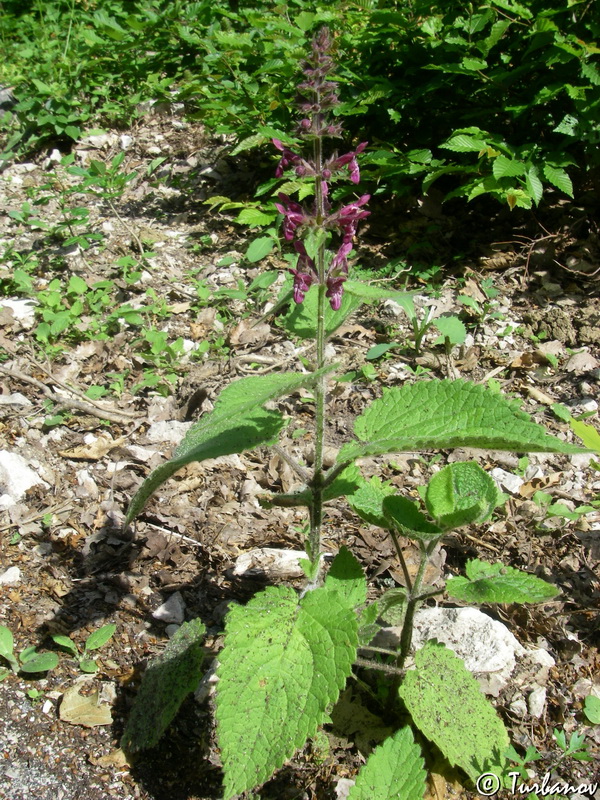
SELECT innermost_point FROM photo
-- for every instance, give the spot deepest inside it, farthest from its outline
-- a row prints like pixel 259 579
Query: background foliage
pixel 495 97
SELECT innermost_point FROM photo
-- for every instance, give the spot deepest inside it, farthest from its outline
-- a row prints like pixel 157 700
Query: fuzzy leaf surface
pixel 440 414
pixel 447 705
pixel 347 578
pixel 496 583
pixel 284 661
pixel 461 493
pixel 167 681
pixel 237 423
pixel 394 771
pixel 367 500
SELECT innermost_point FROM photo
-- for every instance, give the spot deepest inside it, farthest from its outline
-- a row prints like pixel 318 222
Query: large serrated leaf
pixel 346 577
pixel 464 144
pixel 167 681
pixel 434 415
pixel 496 583
pixel 237 423
pixel 284 661
pixel 394 771
pixel 447 705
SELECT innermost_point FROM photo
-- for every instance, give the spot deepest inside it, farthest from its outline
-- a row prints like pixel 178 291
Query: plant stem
pixel 414 600
pixel 316 484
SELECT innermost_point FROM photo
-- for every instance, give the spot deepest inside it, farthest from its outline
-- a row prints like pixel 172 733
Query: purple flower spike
pixel 293 214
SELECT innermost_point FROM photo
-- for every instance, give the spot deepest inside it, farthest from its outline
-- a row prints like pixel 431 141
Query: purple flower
pixel 339 262
pixel 293 214
pixel 302 283
pixel 334 290
pixel 305 274
pixel 347 217
pixel 350 160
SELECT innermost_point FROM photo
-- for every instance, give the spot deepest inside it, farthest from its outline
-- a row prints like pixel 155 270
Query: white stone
pixel 16 477
pixel 11 575
pixel 126 141
pixel 518 706
pixel 342 788
pixel 486 646
pixel 172 610
pixel 14 399
pixel 171 431
pixel 536 702
pixel 23 310
pixel 270 562
pixel 507 481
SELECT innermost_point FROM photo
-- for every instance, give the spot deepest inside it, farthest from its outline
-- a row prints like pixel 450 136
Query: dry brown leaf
pixel 246 333
pixel 86 711
pixel 116 758
pixel 95 450
pixel 529 488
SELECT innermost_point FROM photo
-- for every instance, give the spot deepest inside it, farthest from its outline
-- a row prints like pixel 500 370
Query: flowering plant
pixel 287 655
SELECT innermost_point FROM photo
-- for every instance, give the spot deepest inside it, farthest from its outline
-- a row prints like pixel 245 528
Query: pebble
pixel 172 610
pixel 11 575
pixel 509 482
pixel 536 702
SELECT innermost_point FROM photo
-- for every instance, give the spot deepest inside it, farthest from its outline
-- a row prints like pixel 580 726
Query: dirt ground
pixel 78 569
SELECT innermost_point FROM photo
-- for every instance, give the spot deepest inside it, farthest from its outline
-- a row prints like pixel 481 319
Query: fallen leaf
pixel 529 488
pixel 581 362
pixel 116 758
pixel 86 711
pixel 95 450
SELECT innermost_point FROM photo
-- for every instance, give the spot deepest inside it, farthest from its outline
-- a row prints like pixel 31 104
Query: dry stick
pixel 38 515
pixel 76 392
pixel 65 402
pixel 129 229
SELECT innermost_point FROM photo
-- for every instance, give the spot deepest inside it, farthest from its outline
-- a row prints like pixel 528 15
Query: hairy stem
pixel 316 484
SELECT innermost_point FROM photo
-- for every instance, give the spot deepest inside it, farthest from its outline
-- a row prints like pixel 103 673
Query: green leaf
pixel 558 177
pixel 403 514
pixel 394 771
pixel 66 643
pixel 496 583
pixel 254 217
pixel 7 646
pixel 587 433
pixel 347 578
pixel 591 709
pixel 237 423
pixel 447 705
pixel 378 350
pixel 534 184
pixel 464 144
pixel 434 415
pixel 166 683
pixel 284 662
pixel 301 319
pixel 370 293
pixel 461 493
pixel 367 500
pixel 100 637
pixel 504 167
pixel 39 662
pixel 88 665
pixel 451 328
pixel 259 248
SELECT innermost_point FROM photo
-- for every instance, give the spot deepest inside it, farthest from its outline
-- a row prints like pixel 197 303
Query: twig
pixel 128 228
pixel 38 515
pixel 174 533
pixel 65 402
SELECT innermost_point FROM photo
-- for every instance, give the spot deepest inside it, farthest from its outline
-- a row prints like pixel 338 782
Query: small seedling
pixel 28 660
pixel 574 747
pixel 94 641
